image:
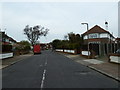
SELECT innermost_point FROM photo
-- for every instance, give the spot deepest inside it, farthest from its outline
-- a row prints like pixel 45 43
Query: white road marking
pixel 41 65
pixel 42 83
pixel 46 63
pixel 43 78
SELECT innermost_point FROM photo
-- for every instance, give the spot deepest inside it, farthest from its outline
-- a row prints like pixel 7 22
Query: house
pixel 7 42
pixel 99 40
pixel 117 43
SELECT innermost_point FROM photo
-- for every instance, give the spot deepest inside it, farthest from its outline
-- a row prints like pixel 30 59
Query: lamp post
pixel 87 37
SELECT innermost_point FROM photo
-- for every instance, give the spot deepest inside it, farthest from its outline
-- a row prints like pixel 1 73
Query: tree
pixel 34 33
pixel 72 37
pixel 74 41
pixel 65 37
pixel 56 43
pixel 24 46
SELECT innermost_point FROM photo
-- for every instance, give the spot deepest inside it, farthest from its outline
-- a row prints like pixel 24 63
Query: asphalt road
pixel 53 70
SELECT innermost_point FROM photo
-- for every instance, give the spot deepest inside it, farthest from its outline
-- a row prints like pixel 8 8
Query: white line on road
pixel 41 65
pixel 42 83
pixel 43 78
pixel 46 63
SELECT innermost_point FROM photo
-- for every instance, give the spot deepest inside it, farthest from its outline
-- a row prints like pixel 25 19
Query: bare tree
pixel 34 33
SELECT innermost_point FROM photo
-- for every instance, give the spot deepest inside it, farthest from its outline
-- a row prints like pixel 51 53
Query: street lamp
pixel 87 36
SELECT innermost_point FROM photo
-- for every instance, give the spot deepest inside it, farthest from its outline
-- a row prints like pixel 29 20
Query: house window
pixel 85 37
pixel 7 40
pixel 104 35
pixel 94 35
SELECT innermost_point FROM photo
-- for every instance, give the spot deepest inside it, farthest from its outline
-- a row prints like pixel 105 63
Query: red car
pixel 37 49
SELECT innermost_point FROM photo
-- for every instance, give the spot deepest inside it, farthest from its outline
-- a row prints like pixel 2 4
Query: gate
pixel 94 47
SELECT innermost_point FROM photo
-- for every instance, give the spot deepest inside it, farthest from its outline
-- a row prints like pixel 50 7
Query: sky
pixel 60 18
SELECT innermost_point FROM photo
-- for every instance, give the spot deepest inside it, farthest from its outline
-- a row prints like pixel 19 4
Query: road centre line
pixel 46 60
pixel 43 78
pixel 46 63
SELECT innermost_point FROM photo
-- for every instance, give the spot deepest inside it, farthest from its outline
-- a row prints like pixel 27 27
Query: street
pixel 53 70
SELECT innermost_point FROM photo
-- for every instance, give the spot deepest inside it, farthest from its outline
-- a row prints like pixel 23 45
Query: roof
pixel 8 37
pixel 117 39
pixel 96 29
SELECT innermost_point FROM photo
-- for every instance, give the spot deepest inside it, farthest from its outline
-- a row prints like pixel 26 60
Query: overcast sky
pixel 60 17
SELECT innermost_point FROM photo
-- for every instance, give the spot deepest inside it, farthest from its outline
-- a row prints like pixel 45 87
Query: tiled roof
pixel 96 29
pixel 7 37
pixel 117 39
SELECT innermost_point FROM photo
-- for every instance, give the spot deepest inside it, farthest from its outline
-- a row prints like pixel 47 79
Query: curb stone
pixel 10 64
pixel 102 72
pixel 14 62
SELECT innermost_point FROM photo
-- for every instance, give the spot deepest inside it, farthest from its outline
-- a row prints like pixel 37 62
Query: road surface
pixel 53 70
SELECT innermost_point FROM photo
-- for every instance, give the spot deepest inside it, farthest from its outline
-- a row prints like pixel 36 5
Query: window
pixel 94 35
pixel 104 35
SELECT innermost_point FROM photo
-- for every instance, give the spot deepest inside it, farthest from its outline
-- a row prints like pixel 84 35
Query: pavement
pixel 9 61
pixel 101 65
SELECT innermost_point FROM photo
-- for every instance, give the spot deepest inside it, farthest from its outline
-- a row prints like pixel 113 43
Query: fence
pixel 85 53
pixel 6 55
pixel 115 58
pixel 66 51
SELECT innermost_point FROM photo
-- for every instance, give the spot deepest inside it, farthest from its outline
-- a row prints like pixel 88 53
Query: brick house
pixel 117 43
pixel 7 41
pixel 100 41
